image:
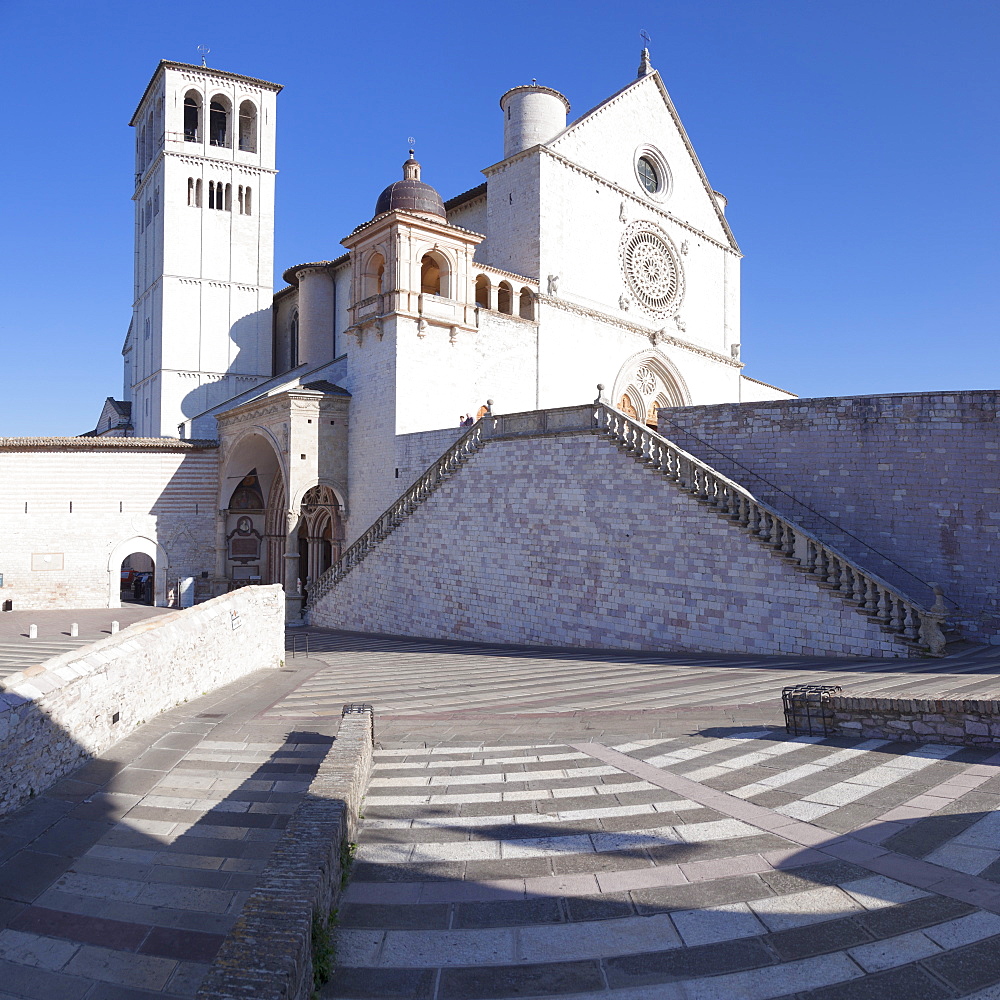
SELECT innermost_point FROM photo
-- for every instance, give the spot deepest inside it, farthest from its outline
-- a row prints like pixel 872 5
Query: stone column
pixel 293 599
pixel 315 315
pixel 219 583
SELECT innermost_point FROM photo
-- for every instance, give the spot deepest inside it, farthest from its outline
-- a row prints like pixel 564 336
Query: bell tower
pixel 204 244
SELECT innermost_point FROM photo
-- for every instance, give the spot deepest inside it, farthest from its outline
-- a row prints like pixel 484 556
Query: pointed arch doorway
pixel 645 383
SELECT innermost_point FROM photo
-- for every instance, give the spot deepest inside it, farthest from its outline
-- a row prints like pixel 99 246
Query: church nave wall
pixel 82 507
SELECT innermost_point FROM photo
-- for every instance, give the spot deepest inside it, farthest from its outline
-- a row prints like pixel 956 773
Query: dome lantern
pixel 411 194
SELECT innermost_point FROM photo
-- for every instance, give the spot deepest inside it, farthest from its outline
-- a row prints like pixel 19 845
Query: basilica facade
pixel 594 252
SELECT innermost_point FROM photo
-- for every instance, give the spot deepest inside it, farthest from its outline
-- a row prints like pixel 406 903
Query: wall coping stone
pixel 268 953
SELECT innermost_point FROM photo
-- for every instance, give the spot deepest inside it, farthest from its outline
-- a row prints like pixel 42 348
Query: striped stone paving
pixel 18 650
pixel 540 823
pixel 556 823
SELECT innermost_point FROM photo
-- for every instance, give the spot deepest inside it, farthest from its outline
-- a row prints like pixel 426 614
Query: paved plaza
pixel 540 823
pixel 18 651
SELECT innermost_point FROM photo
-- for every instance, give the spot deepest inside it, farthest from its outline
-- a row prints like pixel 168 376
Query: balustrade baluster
pixel 911 626
pixel 775 534
pixel 884 605
pixel 789 547
pixel 764 528
pixel 898 615
pixel 742 511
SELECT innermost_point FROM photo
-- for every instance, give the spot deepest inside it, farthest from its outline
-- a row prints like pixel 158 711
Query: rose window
pixel 652 268
pixel 646 380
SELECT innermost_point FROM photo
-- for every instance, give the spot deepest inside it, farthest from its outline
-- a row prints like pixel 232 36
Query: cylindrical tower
pixel 315 315
pixel 532 115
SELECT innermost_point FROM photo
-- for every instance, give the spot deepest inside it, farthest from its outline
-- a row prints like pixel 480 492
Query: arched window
pixel 373 276
pixel 141 151
pixel 156 201
pixel 483 289
pixel 526 305
pixel 248 127
pixel 192 116
pixel 197 192
pixel 229 198
pixel 505 298
pixel 145 328
pixel 240 198
pixel 191 191
pixel 218 121
pixel 247 201
pixel 431 273
pixel 211 194
pixel 293 341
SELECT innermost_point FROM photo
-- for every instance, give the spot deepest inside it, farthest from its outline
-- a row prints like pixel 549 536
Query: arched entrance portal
pixel 646 382
pixel 320 535
pixel 253 505
pixel 138 574
pixel 143 557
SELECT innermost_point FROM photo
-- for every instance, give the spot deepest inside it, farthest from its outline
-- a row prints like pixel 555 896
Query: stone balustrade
pixel 897 613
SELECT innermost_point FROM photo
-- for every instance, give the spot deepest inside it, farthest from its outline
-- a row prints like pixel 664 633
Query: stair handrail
pixel 874 596
pixel 392 517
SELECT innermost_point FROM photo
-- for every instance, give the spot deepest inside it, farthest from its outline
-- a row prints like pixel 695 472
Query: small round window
pixel 648 175
pixel 652 172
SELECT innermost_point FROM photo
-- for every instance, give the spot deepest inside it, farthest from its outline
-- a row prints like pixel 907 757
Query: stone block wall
pixel 268 953
pixel 908 484
pixel 565 540
pixel 88 503
pixel 56 715
pixel 911 720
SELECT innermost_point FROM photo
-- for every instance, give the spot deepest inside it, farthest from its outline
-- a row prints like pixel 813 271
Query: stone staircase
pixel 916 627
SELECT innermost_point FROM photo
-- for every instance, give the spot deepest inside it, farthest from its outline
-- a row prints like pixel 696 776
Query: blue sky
pixel 856 141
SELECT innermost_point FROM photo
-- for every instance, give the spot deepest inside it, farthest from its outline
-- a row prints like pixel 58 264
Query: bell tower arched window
pixel 505 298
pixel 248 127
pixel 526 304
pixel 192 116
pixel 373 277
pixel 218 121
pixel 431 274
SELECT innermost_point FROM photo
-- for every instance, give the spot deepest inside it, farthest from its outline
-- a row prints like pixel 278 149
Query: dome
pixel 411 194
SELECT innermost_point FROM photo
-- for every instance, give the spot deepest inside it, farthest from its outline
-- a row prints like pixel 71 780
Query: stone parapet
pixel 268 955
pixel 964 722
pixel 57 714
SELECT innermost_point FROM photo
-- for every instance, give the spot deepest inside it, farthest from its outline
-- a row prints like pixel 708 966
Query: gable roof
pixel 654 76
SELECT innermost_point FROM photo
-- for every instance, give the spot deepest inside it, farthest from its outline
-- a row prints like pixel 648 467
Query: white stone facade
pixel 545 290
pixel 74 508
pixel 204 236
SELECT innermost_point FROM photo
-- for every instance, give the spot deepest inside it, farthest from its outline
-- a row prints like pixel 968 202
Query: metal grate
pixel 807 709
pixel 361 708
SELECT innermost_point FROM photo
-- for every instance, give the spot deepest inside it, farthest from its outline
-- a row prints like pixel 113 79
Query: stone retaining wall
pixel 57 714
pixel 564 540
pixel 912 720
pixel 268 955
pixel 907 485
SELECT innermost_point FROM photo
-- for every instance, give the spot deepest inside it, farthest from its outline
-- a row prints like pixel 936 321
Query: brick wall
pixel 55 715
pixel 909 484
pixel 81 505
pixel 564 540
